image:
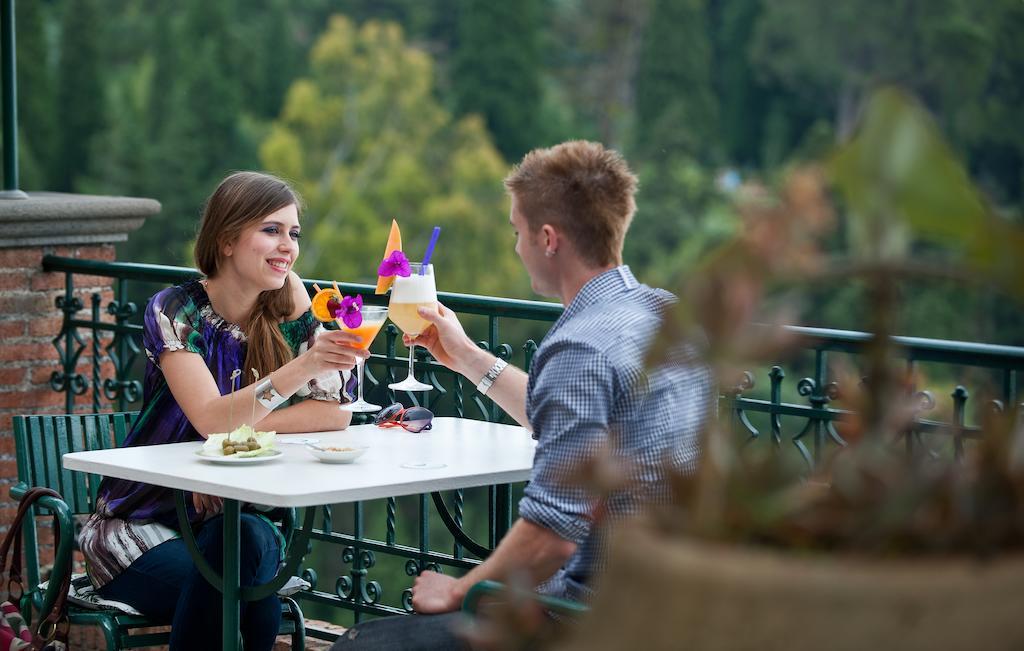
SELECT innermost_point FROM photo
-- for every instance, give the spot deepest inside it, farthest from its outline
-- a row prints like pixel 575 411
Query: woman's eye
pixel 296 235
pixel 270 229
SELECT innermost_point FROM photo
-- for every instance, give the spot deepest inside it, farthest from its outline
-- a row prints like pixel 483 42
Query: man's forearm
pixel 508 391
pixel 528 549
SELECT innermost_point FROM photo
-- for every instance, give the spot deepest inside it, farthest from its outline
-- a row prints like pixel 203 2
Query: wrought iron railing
pixel 809 429
pixel 798 418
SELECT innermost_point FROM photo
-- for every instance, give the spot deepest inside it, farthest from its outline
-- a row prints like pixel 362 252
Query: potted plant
pixel 873 550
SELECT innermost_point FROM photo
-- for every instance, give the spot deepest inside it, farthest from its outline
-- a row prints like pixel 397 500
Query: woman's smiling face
pixel 266 251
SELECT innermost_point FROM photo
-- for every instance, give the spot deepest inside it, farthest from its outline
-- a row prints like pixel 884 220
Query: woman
pixel 249 312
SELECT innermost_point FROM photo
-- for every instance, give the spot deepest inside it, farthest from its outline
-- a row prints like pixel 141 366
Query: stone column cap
pixel 53 218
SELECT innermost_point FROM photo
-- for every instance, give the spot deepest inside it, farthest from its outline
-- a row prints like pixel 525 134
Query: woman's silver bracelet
pixel 267 395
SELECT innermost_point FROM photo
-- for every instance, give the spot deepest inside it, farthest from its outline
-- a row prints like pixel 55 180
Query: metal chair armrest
pixel 484 588
pixel 62 556
pixel 18 490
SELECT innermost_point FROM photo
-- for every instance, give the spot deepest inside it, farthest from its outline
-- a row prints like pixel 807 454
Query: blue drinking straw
pixel 430 250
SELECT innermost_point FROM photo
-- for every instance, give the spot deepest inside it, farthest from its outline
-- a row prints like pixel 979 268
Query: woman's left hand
pixel 207 505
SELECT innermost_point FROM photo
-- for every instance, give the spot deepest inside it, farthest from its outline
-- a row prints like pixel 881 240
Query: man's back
pixel 588 389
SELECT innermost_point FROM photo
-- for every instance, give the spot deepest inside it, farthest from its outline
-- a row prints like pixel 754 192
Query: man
pixel 587 387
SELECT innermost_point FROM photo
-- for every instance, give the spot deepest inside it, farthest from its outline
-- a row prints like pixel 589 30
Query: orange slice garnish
pixel 320 300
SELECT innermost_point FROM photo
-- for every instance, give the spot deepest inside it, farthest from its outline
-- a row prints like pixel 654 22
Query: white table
pixel 470 453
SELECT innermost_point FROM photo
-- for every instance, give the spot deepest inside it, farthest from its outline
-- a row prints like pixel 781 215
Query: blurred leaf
pixel 899 179
pixel 897 171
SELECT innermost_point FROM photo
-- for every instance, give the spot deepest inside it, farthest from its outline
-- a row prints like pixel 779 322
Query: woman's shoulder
pixel 188 297
pixel 174 319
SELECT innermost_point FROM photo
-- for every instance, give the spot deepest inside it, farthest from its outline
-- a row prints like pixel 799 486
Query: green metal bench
pixel 40 442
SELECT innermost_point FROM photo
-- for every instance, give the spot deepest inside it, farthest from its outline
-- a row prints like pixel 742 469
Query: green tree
pixel 168 53
pixel 432 22
pixel 496 70
pixel 80 90
pixel 680 213
pixel 201 140
pixel 177 121
pixel 36 123
pixel 991 127
pixel 189 89
pixel 760 122
pixel 834 54
pixel 122 155
pixel 675 101
pixel 268 55
pixel 592 58
pixel 364 140
pixel 139 64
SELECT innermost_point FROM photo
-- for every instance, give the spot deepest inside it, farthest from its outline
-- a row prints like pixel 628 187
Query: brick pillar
pixel 59 224
pixel 29 322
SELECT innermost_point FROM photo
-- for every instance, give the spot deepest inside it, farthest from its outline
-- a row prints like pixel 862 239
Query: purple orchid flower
pixel 395 264
pixel 350 311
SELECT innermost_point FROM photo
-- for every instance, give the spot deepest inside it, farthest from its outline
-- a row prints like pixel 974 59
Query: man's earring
pixel 549 253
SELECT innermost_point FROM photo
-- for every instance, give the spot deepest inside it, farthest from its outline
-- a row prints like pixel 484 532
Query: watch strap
pixel 485 383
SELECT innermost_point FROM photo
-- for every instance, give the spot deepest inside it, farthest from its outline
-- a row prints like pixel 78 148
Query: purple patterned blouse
pixel 131 516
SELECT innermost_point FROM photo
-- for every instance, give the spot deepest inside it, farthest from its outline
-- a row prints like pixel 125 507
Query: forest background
pixel 415 110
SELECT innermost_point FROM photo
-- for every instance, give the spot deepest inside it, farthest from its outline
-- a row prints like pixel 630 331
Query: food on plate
pixel 241 442
pixel 248 445
pixel 336 453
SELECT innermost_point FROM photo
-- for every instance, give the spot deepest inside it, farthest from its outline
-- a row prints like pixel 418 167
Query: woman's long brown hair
pixel 239 201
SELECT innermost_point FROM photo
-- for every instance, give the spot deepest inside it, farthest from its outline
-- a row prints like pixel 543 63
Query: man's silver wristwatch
pixel 484 385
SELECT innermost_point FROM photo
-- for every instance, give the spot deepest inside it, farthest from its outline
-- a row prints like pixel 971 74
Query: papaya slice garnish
pixel 394 244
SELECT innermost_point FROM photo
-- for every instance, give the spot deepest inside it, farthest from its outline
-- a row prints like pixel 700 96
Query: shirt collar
pixel 600 287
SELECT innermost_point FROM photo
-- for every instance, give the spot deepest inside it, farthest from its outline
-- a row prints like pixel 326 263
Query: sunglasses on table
pixel 412 419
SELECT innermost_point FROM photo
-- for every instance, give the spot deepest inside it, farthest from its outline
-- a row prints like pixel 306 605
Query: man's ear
pixel 550 239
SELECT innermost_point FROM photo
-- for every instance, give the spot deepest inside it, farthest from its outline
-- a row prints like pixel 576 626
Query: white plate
pixel 347 456
pixel 232 460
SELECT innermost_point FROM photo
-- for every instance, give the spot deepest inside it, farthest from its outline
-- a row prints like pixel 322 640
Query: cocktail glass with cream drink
pixel 374 317
pixel 408 294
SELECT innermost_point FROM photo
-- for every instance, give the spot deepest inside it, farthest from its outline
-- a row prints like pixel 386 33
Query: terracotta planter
pixel 667 594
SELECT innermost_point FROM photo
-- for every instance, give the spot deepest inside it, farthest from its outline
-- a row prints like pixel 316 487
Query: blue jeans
pixel 165 585
pixel 404 633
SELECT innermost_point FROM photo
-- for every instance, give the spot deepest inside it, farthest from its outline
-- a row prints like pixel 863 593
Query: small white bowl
pixel 337 453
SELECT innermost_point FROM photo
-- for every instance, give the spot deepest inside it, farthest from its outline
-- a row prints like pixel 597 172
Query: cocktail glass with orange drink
pixel 364 321
pixel 408 294
pixel 373 318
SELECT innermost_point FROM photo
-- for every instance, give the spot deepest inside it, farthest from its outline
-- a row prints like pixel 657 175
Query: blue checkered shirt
pixel 588 387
